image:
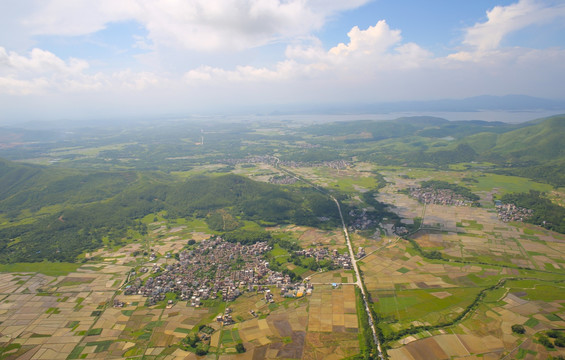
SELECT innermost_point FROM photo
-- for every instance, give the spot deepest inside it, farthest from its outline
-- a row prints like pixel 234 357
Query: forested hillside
pixel 57 212
pixel 533 149
pixel 536 151
pixel 90 211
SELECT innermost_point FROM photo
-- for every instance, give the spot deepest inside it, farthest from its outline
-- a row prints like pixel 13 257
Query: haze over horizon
pixel 104 59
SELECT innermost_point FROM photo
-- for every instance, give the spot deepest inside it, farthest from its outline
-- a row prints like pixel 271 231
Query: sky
pixel 86 59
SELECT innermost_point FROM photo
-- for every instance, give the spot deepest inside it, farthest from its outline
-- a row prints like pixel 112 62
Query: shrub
pixel 518 329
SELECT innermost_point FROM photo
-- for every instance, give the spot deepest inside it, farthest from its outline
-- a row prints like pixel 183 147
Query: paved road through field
pixel 359 282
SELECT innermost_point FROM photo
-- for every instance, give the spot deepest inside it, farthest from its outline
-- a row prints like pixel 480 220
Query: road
pixel 359 282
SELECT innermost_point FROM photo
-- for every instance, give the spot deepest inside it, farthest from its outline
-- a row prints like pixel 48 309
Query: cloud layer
pixel 204 25
pixel 205 51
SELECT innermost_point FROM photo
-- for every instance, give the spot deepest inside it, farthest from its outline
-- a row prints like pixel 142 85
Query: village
pixel 214 267
pixel 361 220
pixel 439 197
pixel 338 260
pixel 273 160
pixel 283 180
pixel 511 212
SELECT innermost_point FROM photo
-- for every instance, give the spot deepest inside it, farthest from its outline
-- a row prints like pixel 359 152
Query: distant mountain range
pixel 533 149
pixel 471 104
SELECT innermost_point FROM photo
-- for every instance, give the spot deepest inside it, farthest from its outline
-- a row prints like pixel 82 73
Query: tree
pixel 518 329
pixel 544 340
pixel 201 351
pixel 239 348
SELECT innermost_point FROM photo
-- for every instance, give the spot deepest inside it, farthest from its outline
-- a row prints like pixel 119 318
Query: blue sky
pixel 111 58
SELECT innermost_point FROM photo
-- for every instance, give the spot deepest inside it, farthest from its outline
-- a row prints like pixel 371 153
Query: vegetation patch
pixel 45 267
pixel 101 346
pixel 545 213
pixel 75 354
pixel 93 332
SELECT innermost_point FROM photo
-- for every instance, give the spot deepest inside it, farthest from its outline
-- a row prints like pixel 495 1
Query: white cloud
pixel 374 64
pixel 130 80
pixel 39 61
pixel 376 39
pixel 376 48
pixel 42 71
pixel 503 20
pixel 11 86
pixel 78 17
pixel 207 25
pixel 285 70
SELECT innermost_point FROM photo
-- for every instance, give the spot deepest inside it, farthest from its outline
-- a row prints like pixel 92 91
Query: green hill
pixel 249 199
pixel 32 187
pixel 536 151
pixel 538 142
pixel 15 177
pixel 424 126
pixel 114 203
pixel 379 130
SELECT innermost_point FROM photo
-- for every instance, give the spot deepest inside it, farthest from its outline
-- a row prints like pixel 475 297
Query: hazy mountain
pixel 471 104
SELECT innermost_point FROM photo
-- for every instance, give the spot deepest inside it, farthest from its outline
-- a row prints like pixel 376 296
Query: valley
pixel 252 216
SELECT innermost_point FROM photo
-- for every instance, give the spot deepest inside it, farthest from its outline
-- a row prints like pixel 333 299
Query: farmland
pixel 72 314
pixel 443 281
pixel 410 290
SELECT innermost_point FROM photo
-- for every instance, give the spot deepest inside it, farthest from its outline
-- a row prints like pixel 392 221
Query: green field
pixel 485 181
pixel 230 336
pixel 420 305
pixel 507 184
pixel 538 290
pixel 344 181
pixel 44 267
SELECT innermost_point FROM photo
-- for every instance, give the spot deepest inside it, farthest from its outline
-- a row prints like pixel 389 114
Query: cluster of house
pixel 439 196
pixel 400 230
pixel 214 267
pixel 511 212
pixel 283 180
pixel 361 220
pixel 226 317
pixel 272 160
pixel 293 291
pixel 308 145
pixel 334 164
pixel 255 159
pixel 339 260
